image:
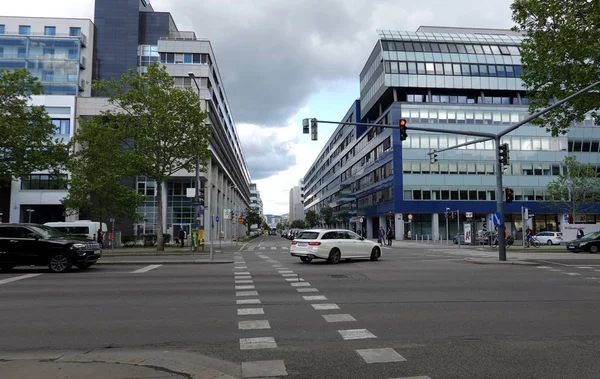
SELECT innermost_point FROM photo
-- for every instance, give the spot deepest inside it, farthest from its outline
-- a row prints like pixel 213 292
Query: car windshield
pixel 48 232
pixel 592 236
pixel 308 236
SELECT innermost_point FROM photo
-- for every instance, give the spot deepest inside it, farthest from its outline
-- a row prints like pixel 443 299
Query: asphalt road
pixel 434 314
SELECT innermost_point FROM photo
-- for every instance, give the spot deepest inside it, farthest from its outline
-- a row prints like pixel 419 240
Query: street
pixel 416 313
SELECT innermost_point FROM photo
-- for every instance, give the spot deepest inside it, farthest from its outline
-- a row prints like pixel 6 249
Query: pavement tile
pixel 263 369
pixel 257 343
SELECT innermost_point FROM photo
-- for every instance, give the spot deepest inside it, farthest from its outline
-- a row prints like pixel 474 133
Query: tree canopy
pixel 576 190
pixel 311 218
pixel 252 218
pixel 327 215
pixel 28 138
pixel 560 57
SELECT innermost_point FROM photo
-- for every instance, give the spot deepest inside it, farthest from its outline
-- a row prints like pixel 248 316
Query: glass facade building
pixel 446 78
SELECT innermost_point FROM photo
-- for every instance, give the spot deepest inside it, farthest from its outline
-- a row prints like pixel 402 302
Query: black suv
pixel 40 245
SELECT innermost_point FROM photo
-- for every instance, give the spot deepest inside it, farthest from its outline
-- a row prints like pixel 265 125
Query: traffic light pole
pixel 500 204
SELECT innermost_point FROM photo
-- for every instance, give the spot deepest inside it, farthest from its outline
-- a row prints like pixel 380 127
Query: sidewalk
pixel 165 258
pixel 139 250
pixel 116 364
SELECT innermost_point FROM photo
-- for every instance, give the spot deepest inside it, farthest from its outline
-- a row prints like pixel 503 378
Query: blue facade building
pixel 455 78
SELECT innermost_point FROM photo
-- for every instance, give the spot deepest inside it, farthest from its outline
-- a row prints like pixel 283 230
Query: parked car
pixel 333 245
pixel 550 238
pixel 41 245
pixel 589 243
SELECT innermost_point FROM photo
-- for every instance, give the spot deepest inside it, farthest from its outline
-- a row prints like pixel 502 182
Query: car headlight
pixel 78 246
pixel 582 243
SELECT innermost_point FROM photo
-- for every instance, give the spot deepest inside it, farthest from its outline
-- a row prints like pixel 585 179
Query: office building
pixel 59 53
pixel 255 200
pixel 447 78
pixel 296 202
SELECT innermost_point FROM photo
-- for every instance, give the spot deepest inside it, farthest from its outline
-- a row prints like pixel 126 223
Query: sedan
pixel 589 243
pixel 333 245
pixel 550 238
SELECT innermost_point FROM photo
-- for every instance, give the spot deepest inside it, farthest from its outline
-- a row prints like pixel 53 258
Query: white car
pixel 333 245
pixel 550 238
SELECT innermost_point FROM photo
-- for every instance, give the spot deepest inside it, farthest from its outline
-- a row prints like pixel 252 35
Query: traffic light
pixel 432 157
pixel 391 216
pixel 313 129
pixel 510 195
pixel 446 212
pixel 305 126
pixel 403 133
pixel 504 154
pixel 454 214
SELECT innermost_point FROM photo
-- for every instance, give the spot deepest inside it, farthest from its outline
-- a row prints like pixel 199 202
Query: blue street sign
pixel 217 219
pixel 497 219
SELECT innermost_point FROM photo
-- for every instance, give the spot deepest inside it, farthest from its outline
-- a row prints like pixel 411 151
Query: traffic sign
pixel 469 214
pixel 497 219
pixel 227 214
pixel 240 219
pixel 217 219
pixel 361 220
pixel 409 217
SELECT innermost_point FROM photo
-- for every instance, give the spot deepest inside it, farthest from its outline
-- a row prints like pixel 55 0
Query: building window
pixel 63 126
pixel 1 51
pixel 49 52
pixel 21 52
pixel 44 182
pixel 24 29
pixel 2 29
pixel 74 31
pixel 50 30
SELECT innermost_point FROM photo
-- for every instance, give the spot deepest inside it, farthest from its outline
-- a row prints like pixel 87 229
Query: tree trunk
pixel 160 240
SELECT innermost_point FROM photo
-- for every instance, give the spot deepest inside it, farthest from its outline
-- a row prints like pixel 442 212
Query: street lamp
pixel 30 212
pixel 198 203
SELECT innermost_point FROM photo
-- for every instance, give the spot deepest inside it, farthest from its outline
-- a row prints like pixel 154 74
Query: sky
pixel 282 61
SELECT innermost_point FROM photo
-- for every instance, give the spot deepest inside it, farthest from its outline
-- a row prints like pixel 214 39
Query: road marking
pixel 383 356
pixel 256 324
pixel 585 267
pixel 145 269
pixel 257 343
pixel 553 263
pixel 246 293
pixel 261 247
pixel 243 277
pixel 248 287
pixel 307 290
pixel 288 275
pixel 325 307
pixel 250 311
pixel 263 369
pixel 243 246
pixel 276 266
pixel 247 301
pixel 273 248
pixel 414 377
pixel 592 278
pixel 293 279
pixel 244 281
pixel 572 273
pixel 240 267
pixel 300 284
pixel 283 272
pixel 241 273
pixel 20 277
pixel 342 317
pixel 555 270
pixel 544 267
pixel 282 269
pixel 314 298
pixel 356 334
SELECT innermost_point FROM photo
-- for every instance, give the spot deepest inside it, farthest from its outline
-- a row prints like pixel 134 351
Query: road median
pixel 496 261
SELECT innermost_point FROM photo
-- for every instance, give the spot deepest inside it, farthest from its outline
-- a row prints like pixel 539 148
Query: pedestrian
pixel 100 239
pixel 579 233
pixel 390 235
pixel 381 236
pixel 182 236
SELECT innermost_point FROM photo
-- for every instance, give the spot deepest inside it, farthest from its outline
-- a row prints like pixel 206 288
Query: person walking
pixel 100 239
pixel 182 236
pixel 390 236
pixel 381 236
pixel 580 233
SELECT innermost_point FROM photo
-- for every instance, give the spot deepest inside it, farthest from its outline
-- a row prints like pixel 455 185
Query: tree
pixel 327 215
pixel 298 224
pixel 159 128
pixel 96 177
pixel 560 57
pixel 311 218
pixel 265 225
pixel 252 218
pixel 28 140
pixel 279 226
pixel 576 190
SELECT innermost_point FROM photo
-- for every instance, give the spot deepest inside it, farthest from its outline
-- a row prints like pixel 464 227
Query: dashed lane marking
pixel 325 307
pixel 342 317
pixel 256 324
pixel 257 343
pixel 247 301
pixel 20 277
pixel 250 311
pixel 572 273
pixel 307 290
pixel 246 293
pixel 241 273
pixel 145 269
pixel 300 284
pixel 384 355
pixel 244 281
pixel 245 287
pixel 356 334
pixel 314 298
pixel 243 277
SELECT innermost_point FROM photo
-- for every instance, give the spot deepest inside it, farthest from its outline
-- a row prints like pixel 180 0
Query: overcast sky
pixel 283 60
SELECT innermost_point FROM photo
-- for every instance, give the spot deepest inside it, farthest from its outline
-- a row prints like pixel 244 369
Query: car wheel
pixel 375 254
pixel 306 259
pixel 549 242
pixel 334 256
pixel 7 267
pixel 59 263
pixel 83 266
pixel 593 249
pixel 455 241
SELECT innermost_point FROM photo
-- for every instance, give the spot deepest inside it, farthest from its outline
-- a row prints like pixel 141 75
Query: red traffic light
pixel 402 123
pixel 509 191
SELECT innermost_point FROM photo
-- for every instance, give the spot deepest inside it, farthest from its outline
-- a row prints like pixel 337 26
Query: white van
pixel 81 227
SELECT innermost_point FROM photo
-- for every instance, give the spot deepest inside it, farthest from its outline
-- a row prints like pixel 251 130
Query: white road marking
pixel 555 270
pixel 383 356
pixel 544 267
pixel 247 301
pixel 245 287
pixel 273 248
pixel 256 324
pixel 288 275
pixel 246 293
pixel 244 281
pixel 262 247
pixel 342 317
pixel 414 377
pixel 572 273
pixel 20 277
pixel 307 290
pixel 240 267
pixel 592 278
pixel 257 343
pixel 276 266
pixel 243 277
pixel 325 307
pixel 241 273
pixel 314 298
pixel 585 267
pixel 300 284
pixel 145 269
pixel 356 334
pixel 250 311
pixel 263 369
pixel 292 279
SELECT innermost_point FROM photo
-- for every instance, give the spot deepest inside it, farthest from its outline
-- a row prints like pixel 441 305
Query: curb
pixel 497 262
pixel 188 262
pixel 191 365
